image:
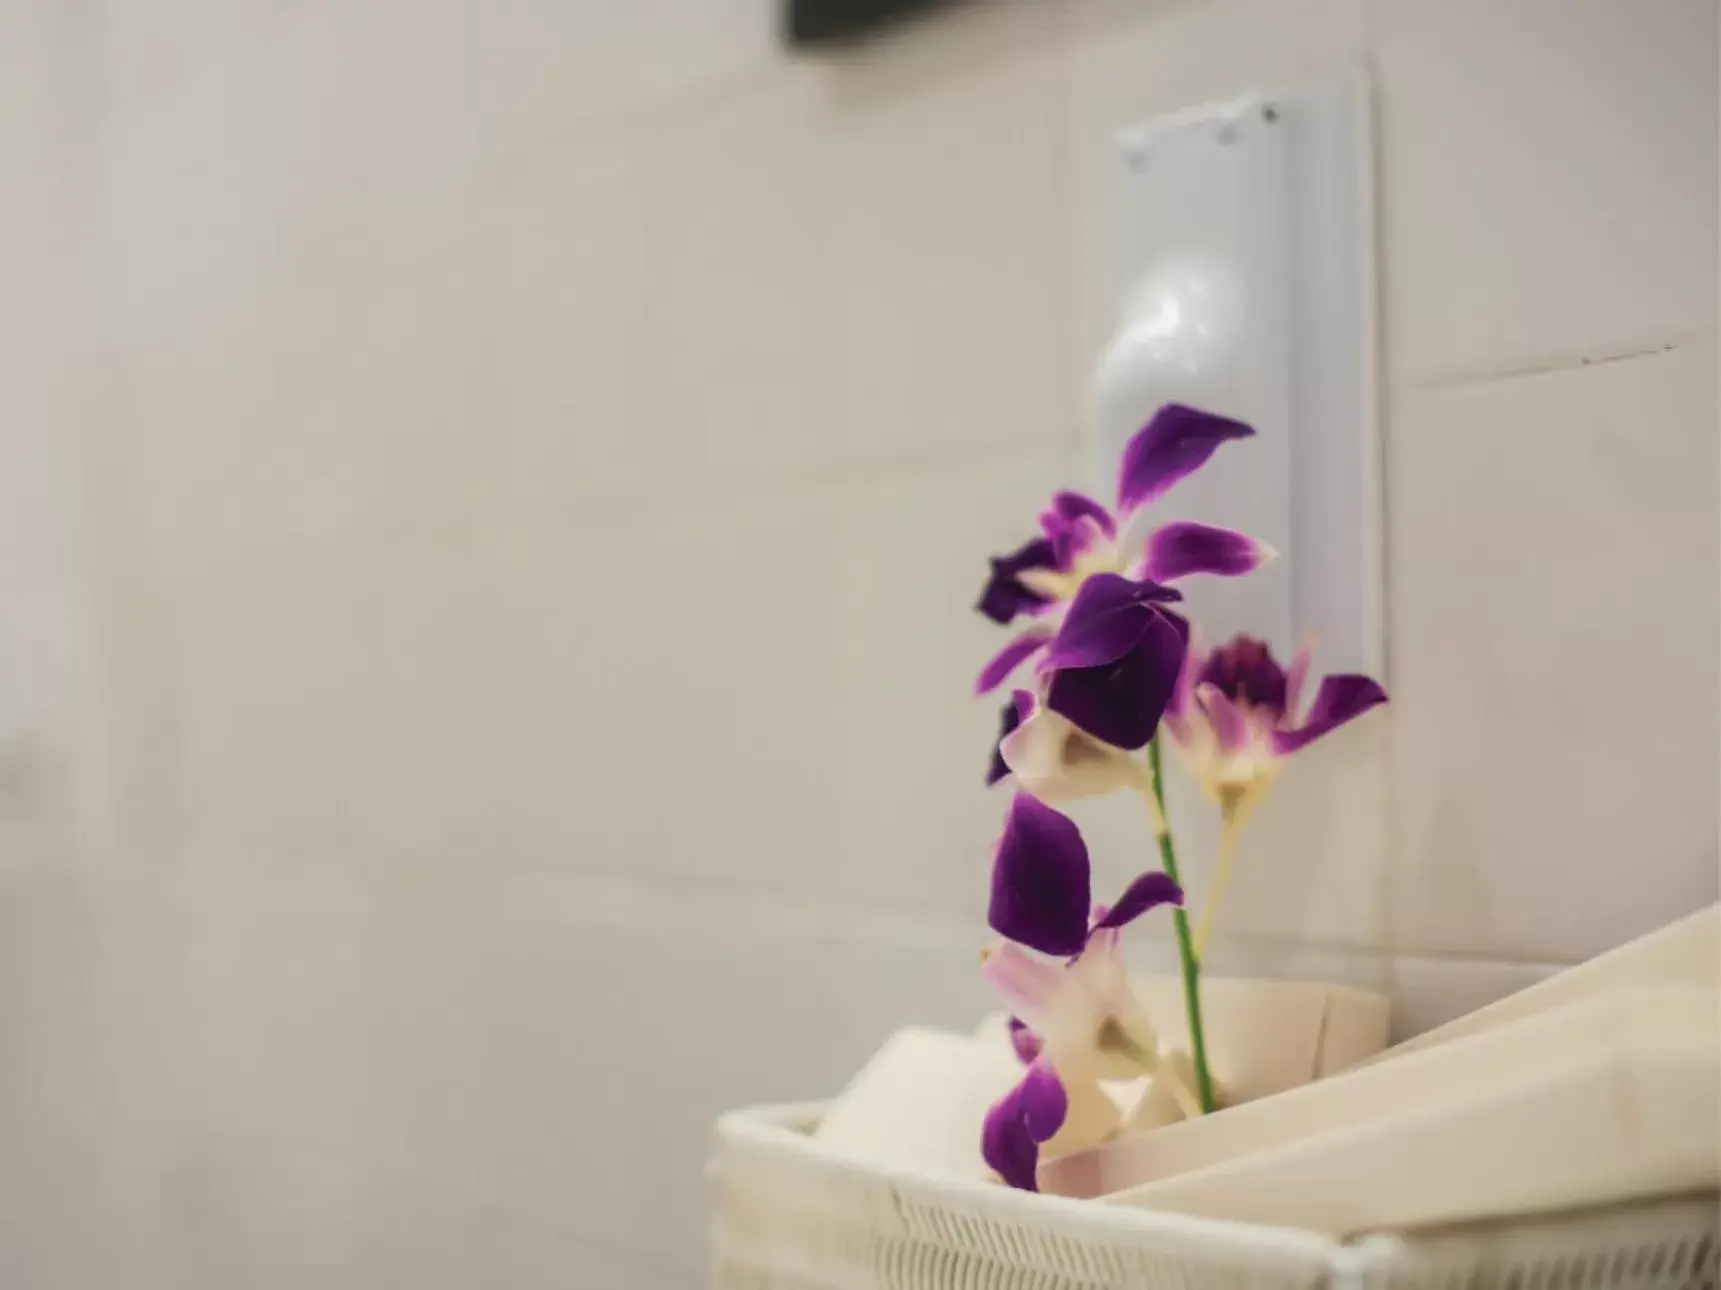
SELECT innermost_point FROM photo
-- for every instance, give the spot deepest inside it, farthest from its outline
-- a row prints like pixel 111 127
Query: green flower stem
pixel 1185 949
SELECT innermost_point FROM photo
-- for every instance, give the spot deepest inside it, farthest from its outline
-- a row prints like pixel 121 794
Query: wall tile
pixel 1549 179
pixel 180 240
pixel 63 1181
pixel 1430 992
pixel 1138 60
pixel 950 235
pixel 335 406
pixel 1552 584
pixel 683 48
pixel 566 305
pixel 913 741
pixel 731 358
pixel 672 689
pixel 145 50
pixel 334 710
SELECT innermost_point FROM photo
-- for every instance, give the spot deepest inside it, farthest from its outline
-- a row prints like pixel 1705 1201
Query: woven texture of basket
pixel 791 1215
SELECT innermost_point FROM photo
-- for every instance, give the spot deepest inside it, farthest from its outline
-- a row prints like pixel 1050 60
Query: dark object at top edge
pixel 824 22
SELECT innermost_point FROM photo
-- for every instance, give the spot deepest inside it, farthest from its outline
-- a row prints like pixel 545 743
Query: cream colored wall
pixel 490 500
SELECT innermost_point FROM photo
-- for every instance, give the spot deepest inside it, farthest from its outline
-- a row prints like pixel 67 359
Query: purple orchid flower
pixel 1079 537
pixel 1114 663
pixel 1078 1019
pixel 1233 716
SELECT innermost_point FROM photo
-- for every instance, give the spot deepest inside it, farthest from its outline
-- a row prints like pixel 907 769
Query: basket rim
pixel 782 1128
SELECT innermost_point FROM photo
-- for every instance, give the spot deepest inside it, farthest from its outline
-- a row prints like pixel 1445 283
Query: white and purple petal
pixel 1018 651
pixel 1026 984
pixel 1183 548
pixel 1023 1041
pixel 1175 443
pixel 1070 506
pixel 1180 713
pixel 1016 711
pixel 1245 671
pixel 1108 618
pixel 1146 892
pixel 1040 880
pixel 1026 1116
pixel 1230 727
pixel 1073 543
pixel 1120 702
pixel 1005 595
pixel 1339 700
pixel 1056 762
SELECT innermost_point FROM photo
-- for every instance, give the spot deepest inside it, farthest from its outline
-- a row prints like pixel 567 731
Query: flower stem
pixel 1216 889
pixel 1180 920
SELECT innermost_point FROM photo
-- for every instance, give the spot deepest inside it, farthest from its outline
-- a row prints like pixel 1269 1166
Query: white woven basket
pixel 791 1215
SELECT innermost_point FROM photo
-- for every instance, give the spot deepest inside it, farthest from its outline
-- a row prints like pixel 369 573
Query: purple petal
pixel 1015 712
pixel 1340 699
pixel 1147 891
pixel 1019 1122
pixel 1068 506
pixel 1007 1146
pixel 1120 703
pixel 1175 443
pixel 1180 549
pixel 1026 1043
pixel 1230 726
pixel 1040 880
pixel 1008 659
pixel 1006 595
pixel 1244 669
pixel 1074 540
pixel 1107 619
pixel 1043 1100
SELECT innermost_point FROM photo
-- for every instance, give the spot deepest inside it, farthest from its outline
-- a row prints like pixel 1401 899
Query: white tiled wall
pixel 490 500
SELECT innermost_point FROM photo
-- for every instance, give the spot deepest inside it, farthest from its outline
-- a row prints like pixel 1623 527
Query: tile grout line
pixel 1551 366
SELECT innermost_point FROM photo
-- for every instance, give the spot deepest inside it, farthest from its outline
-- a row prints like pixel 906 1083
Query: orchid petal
pixel 1005 594
pixel 1008 659
pixel 1025 1042
pixel 1230 726
pixel 1246 671
pixel 1180 707
pixel 1069 506
pixel 1180 549
pixel 1006 1145
pixel 1027 985
pixel 1016 711
pixel 1074 541
pixel 1177 441
pixel 1120 703
pixel 1026 1116
pixel 1044 1101
pixel 1147 891
pixel 1107 619
pixel 1040 880
pixel 1058 763
pixel 1340 699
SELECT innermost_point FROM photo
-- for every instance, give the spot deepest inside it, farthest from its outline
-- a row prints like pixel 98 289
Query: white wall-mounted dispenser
pixel 1247 287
